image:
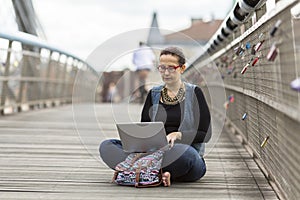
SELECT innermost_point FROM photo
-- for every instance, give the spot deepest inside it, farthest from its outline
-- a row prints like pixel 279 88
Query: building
pixel 191 40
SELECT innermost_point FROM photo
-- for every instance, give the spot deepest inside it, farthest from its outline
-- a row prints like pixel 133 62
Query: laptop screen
pixel 142 136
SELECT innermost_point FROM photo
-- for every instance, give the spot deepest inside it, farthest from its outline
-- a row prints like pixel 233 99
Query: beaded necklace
pixel 179 97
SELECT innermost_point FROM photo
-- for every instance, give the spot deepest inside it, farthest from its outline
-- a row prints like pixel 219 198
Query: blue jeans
pixel 182 161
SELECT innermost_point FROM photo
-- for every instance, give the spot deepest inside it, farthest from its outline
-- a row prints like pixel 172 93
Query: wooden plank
pixel 45 154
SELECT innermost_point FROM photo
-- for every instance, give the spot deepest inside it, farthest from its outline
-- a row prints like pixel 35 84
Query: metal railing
pixel 36 74
pixel 256 51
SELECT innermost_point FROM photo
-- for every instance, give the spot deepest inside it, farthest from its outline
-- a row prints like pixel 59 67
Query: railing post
pixel 21 87
pixel 55 80
pixel 6 74
pixel 46 83
pixel 64 80
pixel 36 74
pixel 40 83
pixel 72 78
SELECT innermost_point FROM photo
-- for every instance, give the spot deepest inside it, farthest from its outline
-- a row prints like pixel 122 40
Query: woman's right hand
pixel 171 137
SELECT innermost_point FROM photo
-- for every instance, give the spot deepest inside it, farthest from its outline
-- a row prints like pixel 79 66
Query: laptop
pixel 138 137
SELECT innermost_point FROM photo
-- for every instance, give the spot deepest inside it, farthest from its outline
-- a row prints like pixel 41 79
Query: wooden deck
pixel 45 154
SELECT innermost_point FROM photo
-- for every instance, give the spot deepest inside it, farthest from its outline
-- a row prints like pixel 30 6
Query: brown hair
pixel 174 51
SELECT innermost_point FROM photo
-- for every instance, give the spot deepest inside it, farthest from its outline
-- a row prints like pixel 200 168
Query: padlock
pixel 239 51
pixel 263 144
pixel 253 52
pixel 295 84
pixel 261 36
pixel 255 60
pixel 248 45
pixel 234 74
pixel 272 54
pixel 245 68
pixel 226 105
pixel 275 28
pixel 258 46
pixel 244 116
pixel 231 98
pixel 230 69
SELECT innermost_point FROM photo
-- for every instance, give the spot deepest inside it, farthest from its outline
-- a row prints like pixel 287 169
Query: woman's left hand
pixel 171 137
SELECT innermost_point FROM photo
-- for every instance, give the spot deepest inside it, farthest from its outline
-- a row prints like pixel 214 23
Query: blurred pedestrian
pixel 144 60
pixel 112 93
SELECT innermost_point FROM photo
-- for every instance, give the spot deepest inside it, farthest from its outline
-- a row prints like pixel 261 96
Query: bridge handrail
pixel 39 81
pixel 33 40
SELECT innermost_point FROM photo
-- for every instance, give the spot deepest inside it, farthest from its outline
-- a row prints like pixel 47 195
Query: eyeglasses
pixel 170 68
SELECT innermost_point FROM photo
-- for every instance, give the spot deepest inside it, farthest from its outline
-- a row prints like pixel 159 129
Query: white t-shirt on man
pixel 143 58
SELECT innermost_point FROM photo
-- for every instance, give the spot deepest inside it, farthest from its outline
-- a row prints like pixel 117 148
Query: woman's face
pixel 170 61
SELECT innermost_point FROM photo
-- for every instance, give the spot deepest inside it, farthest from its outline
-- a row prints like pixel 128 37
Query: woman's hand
pixel 171 137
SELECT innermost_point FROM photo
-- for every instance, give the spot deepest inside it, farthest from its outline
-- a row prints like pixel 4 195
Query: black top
pixel 171 116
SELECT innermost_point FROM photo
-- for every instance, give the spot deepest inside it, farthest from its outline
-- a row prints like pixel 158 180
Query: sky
pixel 88 23
pixel 80 26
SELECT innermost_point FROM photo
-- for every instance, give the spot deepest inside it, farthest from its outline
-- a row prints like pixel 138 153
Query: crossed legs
pixel 182 163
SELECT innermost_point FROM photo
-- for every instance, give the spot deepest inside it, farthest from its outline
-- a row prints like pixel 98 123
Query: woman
pixel 184 111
